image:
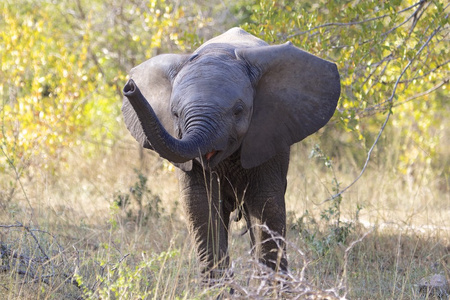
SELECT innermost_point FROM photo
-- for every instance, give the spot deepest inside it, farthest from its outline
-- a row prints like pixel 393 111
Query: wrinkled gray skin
pixel 226 117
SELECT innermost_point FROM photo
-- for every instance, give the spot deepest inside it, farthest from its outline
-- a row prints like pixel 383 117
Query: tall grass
pixel 111 227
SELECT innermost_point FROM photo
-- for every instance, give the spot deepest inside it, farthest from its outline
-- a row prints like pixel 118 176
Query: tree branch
pixel 338 24
pixel 427 92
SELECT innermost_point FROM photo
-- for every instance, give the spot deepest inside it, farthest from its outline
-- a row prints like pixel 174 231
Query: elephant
pixel 226 116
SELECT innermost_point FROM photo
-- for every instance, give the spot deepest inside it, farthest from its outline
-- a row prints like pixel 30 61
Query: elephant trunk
pixel 168 147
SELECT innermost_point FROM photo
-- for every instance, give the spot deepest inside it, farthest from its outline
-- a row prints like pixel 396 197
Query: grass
pixel 117 225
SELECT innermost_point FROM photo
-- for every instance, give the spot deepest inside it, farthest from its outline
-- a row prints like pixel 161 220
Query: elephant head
pixel 234 93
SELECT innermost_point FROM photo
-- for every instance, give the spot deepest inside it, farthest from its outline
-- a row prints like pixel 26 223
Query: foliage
pixel 63 67
pixel 51 91
pixel 124 280
pixel 392 57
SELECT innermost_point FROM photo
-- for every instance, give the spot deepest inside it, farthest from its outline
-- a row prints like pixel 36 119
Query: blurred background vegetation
pixel 64 147
pixel 64 64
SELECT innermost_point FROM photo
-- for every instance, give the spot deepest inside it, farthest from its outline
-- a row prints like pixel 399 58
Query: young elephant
pixel 226 116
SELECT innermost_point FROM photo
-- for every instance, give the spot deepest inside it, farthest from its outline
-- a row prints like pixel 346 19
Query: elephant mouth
pixel 211 154
pixel 211 159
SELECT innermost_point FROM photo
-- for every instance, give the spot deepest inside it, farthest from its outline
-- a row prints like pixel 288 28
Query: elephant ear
pixel 296 95
pixel 154 79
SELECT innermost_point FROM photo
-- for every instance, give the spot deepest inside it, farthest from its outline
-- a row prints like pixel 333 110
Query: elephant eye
pixel 238 109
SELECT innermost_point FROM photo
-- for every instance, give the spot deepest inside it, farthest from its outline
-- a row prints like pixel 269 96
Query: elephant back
pixel 235 37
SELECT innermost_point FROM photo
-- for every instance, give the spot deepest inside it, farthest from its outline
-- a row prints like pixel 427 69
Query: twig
pixel 381 106
pixel 354 23
pixel 436 87
pixel 36 240
pixel 18 175
pixel 30 262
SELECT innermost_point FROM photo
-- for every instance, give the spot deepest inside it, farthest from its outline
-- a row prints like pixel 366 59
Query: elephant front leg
pixel 208 222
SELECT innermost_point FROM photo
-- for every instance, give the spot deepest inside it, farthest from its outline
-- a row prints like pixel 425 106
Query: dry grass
pixel 71 224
